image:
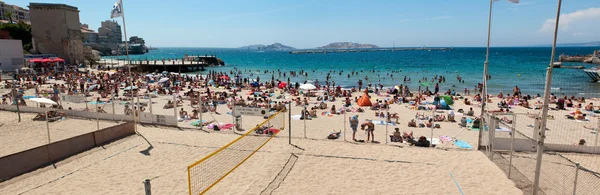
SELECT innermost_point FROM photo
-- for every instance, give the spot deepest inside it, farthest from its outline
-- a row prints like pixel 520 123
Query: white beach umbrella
pixel 307 86
pixel 163 80
pixel 149 75
pixel 44 101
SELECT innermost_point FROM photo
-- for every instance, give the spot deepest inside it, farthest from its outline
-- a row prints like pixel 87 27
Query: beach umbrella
pixel 47 60
pixel 36 60
pixel 307 86
pixel 165 72
pixel 92 87
pixel 43 101
pixel 224 77
pixel 162 80
pixel 282 85
pixel 58 60
pixel 149 75
pixel 447 99
pixel 130 88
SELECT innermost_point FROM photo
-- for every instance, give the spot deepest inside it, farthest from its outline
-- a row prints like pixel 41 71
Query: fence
pixel 566 168
pixel 210 170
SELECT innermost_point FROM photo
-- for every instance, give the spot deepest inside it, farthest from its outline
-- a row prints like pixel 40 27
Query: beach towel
pixel 435 141
pixel 462 144
pixel 445 138
pixel 382 123
pixel 502 129
pixel 296 117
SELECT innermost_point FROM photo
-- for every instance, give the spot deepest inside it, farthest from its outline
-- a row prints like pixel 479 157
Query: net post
pixel 512 140
pixel 200 106
pixel 47 125
pixel 597 129
pixel 147 187
pixel 577 166
pixel 97 120
pixel 112 100
pixel 345 123
pixel 150 102
pixel 189 179
pixel 304 117
pixel 491 127
pixel 290 125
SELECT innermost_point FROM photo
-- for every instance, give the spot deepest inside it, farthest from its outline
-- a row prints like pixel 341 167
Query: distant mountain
pixel 348 45
pixel 274 46
pixel 587 44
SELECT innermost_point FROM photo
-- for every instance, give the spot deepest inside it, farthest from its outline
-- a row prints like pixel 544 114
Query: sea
pixel 524 67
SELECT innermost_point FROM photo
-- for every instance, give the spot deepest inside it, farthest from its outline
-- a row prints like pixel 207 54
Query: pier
pixel 325 51
pixel 185 64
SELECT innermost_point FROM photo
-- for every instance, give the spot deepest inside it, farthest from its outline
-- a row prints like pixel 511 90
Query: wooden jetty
pixel 185 64
pixel 325 51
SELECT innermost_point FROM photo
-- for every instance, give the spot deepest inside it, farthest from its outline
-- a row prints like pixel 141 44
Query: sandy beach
pixel 339 166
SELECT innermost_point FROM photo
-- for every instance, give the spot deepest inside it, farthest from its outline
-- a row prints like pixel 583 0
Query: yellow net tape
pixel 210 170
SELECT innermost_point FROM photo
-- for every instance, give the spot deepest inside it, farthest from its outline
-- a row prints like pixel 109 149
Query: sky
pixel 314 23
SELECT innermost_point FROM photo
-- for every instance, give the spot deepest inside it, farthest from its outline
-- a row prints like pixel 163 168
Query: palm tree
pixel 9 15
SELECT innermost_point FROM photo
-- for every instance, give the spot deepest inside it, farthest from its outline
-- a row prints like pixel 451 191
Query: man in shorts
pixel 370 127
pixel 354 126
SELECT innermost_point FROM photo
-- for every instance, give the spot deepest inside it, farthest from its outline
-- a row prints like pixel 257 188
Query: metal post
pixel 540 149
pixel 15 99
pixel 491 132
pixel 577 166
pixel 175 106
pixel 200 106
pixel 47 126
pixel 290 125
pixel 138 109
pixel 147 187
pixel 150 102
pixel 485 75
pixel 512 142
pixel 97 121
pixel 345 123
pixel 304 117
pixel 597 129
pixel 112 99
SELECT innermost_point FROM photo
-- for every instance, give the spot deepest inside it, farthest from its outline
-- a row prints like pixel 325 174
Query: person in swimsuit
pixel 354 126
pixel 370 127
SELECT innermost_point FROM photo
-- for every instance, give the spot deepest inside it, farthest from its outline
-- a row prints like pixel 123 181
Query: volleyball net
pixel 210 170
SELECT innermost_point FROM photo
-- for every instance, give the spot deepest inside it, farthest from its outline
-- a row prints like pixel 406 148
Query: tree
pixel 21 31
pixel 9 15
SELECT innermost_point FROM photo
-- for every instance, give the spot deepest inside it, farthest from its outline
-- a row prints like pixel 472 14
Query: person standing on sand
pixel 370 128
pixel 354 126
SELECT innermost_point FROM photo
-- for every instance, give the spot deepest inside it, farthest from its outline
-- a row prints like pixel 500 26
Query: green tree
pixel 21 31
pixel 9 15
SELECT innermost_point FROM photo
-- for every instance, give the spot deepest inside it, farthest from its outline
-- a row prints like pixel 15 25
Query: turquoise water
pixel 506 64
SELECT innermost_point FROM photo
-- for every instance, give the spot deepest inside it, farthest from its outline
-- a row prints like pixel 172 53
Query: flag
pixel 117 10
pixel 512 1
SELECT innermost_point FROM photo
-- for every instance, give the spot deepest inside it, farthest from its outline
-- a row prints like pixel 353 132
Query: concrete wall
pixel 11 54
pixel 19 163
pixel 521 145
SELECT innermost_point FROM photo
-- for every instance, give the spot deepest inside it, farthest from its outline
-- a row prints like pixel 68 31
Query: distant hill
pixel 587 44
pixel 348 45
pixel 274 46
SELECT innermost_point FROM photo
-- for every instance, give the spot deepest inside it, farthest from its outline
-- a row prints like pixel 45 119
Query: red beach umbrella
pixel 35 60
pixel 282 85
pixel 225 77
pixel 47 60
pixel 58 60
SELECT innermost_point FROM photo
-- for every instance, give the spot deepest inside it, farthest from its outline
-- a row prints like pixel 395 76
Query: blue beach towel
pixel 462 144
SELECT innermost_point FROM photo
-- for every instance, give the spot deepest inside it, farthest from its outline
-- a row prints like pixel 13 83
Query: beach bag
pixel 476 123
pixel 463 122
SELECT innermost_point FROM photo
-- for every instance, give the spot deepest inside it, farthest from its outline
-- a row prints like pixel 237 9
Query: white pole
pixel 47 126
pixel 485 75
pixel 540 149
pixel 150 102
pixel 432 125
pixel 97 121
pixel 138 109
pixel 112 99
pixel 597 129
pixel 200 107
pixel 175 106
pixel 344 121
pixel 126 38
pixel 305 118
pixel 512 142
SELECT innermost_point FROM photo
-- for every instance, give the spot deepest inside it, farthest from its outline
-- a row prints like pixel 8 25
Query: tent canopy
pixel 364 101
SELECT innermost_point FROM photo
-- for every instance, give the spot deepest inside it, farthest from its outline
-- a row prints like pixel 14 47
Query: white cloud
pixel 439 18
pixel 573 21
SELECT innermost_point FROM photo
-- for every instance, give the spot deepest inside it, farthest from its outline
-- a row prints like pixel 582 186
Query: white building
pixel 11 55
pixel 17 13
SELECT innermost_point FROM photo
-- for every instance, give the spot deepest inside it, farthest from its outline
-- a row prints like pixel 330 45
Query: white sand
pixel 120 168
pixel 16 137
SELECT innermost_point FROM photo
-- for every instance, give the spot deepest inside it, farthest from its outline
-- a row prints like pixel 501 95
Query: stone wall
pixel 56 29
